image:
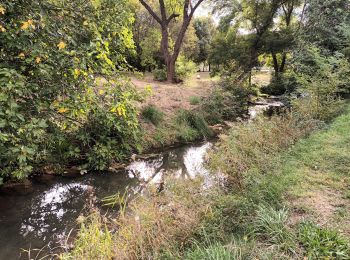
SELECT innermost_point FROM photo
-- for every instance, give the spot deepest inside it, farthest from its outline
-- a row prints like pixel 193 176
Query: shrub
pixel 49 106
pixel 160 74
pixel 227 102
pixel 283 84
pixel 320 243
pixel 195 100
pixel 195 121
pixel 184 69
pixel 152 114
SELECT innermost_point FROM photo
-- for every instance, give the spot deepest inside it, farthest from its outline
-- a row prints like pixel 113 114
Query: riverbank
pixel 279 173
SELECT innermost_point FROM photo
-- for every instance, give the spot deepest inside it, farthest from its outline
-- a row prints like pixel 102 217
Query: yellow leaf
pixel 62 110
pixel 2 29
pixel 2 10
pixel 76 73
pixel 21 55
pixel 101 92
pixel 25 26
pixel 86 23
pixel 38 60
pixel 61 45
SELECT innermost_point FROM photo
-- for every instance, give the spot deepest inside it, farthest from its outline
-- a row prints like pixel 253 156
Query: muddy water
pixel 44 218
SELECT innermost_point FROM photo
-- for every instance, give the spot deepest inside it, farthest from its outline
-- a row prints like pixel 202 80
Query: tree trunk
pixel 171 71
pixel 188 10
pixel 283 63
pixel 275 64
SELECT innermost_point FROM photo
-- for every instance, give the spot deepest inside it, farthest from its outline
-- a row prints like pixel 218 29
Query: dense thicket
pixel 58 103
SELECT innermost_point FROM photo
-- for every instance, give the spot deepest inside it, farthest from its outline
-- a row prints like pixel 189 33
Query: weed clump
pixel 320 243
pixel 195 100
pixel 152 114
pixel 195 121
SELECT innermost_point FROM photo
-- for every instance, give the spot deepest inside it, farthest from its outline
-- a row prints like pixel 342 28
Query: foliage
pixel 194 121
pixel 326 24
pixel 195 100
pixel 150 231
pixel 321 243
pixel 271 226
pixel 94 240
pixel 227 101
pixel 251 145
pixel 159 74
pixel 152 114
pixel 51 110
pixel 205 29
pixel 286 83
pixel 184 69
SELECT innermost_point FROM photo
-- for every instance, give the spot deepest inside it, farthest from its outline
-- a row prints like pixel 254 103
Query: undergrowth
pixel 250 217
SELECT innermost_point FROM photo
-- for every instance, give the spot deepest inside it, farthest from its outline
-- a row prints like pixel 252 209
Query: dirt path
pixel 171 97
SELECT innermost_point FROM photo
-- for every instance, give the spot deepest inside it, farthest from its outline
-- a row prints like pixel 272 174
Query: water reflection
pixel 50 209
pixel 47 216
pixel 185 163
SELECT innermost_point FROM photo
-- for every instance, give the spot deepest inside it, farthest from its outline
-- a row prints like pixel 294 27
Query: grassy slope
pixel 299 209
pixel 321 166
pixel 294 204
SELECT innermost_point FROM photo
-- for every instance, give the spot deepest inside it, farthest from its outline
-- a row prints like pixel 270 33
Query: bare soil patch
pixel 171 97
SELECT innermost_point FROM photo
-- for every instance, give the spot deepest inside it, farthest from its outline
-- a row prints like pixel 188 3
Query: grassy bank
pixel 286 197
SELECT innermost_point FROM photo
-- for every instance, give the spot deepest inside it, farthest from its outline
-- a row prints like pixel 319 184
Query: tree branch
pixel 196 6
pixel 162 10
pixel 149 9
pixel 173 16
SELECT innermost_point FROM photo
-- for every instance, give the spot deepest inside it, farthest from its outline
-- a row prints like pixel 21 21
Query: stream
pixel 44 218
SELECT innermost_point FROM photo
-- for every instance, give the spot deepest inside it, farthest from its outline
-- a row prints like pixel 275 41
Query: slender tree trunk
pixel 171 73
pixel 283 63
pixel 275 64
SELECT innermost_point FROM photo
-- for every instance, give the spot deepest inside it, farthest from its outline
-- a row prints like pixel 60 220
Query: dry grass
pixel 161 224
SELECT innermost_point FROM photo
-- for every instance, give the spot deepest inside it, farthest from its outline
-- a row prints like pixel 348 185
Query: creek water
pixel 45 217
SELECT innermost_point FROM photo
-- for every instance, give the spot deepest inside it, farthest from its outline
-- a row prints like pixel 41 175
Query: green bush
pixel 184 69
pixel 160 75
pixel 195 121
pixel 50 109
pixel 152 114
pixel 195 100
pixel 321 243
pixel 227 102
pixel 283 84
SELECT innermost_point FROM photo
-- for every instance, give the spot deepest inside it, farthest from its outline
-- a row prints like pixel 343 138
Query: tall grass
pixel 94 241
pixel 253 145
pixel 184 222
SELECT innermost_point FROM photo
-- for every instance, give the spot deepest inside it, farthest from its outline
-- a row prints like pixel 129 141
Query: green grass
pixel 322 243
pixel 277 172
pixel 195 100
pixel 152 114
